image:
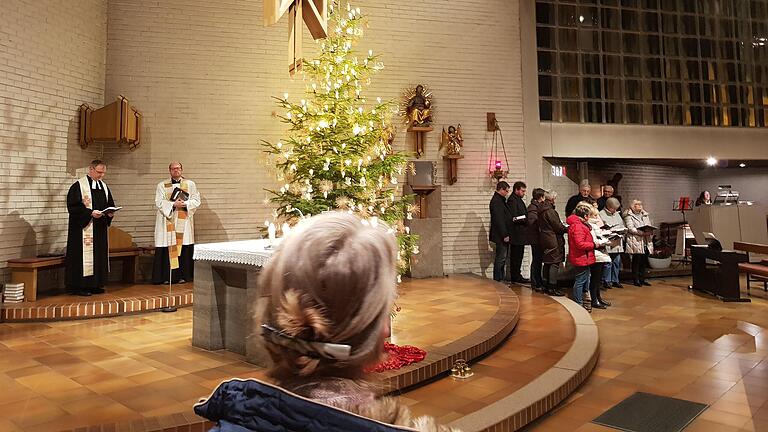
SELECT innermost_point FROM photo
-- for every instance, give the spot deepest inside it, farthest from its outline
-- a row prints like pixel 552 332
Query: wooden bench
pixel 24 270
pixel 754 271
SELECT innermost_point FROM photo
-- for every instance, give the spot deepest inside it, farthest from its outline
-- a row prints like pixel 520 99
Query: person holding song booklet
pixel 91 207
pixel 176 200
pixel 639 240
pixel 614 222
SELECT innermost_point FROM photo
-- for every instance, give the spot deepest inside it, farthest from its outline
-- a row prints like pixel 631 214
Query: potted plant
pixel 661 257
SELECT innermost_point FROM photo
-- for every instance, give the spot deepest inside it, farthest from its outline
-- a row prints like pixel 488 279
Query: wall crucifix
pixel 313 12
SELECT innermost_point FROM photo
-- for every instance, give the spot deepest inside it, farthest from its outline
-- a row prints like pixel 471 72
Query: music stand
pixel 683 205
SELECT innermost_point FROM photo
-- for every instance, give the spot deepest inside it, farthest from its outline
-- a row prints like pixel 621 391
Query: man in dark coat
pixel 584 190
pixel 500 226
pixel 533 238
pixel 87 261
pixel 607 193
pixel 518 236
pixel 551 241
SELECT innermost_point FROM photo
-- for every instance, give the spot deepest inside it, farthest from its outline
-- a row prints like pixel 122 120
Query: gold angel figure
pixel 452 140
pixel 388 138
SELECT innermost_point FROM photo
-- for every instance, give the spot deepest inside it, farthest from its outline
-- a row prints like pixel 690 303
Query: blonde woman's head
pixel 637 206
pixel 583 210
pixel 331 281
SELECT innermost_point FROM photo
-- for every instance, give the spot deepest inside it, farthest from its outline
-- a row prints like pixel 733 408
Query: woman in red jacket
pixel 581 250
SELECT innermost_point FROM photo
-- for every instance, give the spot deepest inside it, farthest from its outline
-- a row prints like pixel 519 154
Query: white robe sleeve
pixel 164 206
pixel 194 198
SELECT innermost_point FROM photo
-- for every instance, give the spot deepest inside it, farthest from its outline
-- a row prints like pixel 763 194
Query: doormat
pixel 645 412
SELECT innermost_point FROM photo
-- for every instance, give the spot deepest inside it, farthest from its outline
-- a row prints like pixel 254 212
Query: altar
pixel 228 298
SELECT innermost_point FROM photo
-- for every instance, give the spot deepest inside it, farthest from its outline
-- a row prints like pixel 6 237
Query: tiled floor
pixel 430 315
pixel 60 375
pixel 460 317
pixel 542 336
pixel 660 339
pixel 666 340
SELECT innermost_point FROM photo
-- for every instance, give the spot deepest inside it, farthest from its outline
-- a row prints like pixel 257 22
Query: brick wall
pixel 659 187
pixel 52 56
pixel 202 73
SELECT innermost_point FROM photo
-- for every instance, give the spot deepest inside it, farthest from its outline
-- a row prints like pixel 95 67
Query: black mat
pixel 645 412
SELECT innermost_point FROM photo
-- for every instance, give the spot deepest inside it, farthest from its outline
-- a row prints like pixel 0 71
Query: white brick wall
pixel 52 55
pixel 203 74
pixel 659 187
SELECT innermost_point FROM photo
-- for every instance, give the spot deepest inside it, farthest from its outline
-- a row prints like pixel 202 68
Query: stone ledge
pixel 546 391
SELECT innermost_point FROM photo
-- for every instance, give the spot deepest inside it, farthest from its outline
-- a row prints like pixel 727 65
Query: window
pixel 676 62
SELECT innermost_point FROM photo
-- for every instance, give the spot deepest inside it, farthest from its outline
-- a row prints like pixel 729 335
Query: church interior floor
pixel 66 374
pixel 661 339
pixel 666 340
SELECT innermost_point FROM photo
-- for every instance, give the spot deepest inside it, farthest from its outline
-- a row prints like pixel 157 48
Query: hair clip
pixel 326 350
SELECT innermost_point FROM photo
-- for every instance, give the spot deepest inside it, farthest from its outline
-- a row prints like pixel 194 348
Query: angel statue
pixel 452 140
pixel 419 108
pixel 388 138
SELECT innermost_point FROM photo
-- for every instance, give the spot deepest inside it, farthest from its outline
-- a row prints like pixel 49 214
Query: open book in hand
pixel 111 209
pixel 647 228
pixel 179 194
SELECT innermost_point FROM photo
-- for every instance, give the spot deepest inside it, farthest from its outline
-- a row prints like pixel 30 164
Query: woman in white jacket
pixel 639 243
pixel 612 218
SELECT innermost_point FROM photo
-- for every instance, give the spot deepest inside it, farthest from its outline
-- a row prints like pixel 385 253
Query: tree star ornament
pixel 313 12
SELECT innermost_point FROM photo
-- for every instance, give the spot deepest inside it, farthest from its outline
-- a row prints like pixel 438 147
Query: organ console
pixel 721 279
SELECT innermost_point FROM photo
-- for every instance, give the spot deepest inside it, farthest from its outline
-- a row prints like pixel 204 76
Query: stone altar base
pixel 227 300
pixel 428 225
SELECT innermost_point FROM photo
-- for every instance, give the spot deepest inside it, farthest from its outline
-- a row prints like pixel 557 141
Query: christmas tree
pixel 338 154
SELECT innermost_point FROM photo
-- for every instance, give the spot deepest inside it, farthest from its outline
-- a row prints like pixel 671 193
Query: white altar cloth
pixel 248 252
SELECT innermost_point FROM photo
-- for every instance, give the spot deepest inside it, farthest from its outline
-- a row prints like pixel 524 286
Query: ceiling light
pixel 711 161
pixel 742 165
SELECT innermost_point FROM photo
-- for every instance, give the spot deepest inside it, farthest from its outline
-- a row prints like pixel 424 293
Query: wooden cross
pixel 313 12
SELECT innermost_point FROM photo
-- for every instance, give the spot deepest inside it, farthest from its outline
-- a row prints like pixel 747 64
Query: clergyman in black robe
pixel 81 213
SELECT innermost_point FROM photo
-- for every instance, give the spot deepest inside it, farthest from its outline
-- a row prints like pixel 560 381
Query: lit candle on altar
pixel 271 229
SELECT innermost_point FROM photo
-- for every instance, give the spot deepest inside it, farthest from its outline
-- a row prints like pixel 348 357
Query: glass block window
pixel 653 62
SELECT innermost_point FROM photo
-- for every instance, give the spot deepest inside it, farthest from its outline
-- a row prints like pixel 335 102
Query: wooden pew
pixel 25 270
pixel 754 271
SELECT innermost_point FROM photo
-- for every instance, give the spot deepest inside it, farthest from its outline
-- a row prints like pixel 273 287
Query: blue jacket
pixel 253 406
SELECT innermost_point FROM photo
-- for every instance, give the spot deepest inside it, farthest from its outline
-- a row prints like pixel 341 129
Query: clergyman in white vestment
pixel 176 200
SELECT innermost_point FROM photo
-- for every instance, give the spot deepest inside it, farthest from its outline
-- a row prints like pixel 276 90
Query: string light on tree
pixel 335 156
